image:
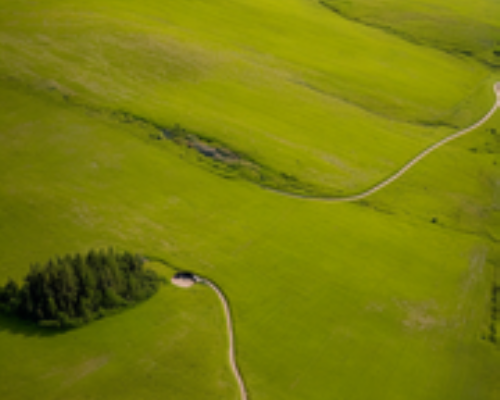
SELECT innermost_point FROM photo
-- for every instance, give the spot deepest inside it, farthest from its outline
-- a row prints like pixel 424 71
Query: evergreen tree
pixel 77 289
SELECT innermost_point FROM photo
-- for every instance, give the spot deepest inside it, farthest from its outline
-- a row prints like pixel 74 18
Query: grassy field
pixel 461 28
pixel 388 298
pixel 296 94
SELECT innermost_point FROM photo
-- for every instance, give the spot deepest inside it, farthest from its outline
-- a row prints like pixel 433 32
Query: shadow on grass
pixel 17 326
pixel 150 258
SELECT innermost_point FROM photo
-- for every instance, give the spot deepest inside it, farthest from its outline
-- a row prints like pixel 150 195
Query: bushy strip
pixel 444 30
pixel 76 289
pixel 495 299
pixel 195 147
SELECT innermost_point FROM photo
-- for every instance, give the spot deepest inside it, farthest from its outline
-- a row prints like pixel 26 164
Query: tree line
pixel 76 289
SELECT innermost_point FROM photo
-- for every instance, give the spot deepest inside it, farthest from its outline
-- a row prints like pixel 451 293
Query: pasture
pixel 385 298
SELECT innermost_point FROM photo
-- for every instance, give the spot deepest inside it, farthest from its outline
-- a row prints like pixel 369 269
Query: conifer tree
pixel 73 290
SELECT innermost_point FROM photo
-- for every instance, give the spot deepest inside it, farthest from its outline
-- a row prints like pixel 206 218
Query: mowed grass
pixel 388 298
pixel 289 83
pixel 330 301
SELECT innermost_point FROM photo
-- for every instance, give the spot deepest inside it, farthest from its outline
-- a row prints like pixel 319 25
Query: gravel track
pixel 419 157
pixel 230 333
pixel 415 160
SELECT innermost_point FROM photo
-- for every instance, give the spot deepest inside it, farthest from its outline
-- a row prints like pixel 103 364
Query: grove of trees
pixel 76 289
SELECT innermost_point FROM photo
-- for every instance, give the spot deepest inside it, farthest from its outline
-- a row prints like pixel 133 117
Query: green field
pixel 386 298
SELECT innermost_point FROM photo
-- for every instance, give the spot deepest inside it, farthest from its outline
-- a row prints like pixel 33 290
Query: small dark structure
pixel 184 279
pixel 185 275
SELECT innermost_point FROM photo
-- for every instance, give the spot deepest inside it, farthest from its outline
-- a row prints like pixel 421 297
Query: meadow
pixel 291 84
pixel 461 28
pixel 386 298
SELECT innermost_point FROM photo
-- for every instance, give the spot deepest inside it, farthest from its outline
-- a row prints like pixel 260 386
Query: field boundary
pixel 405 168
pixel 409 37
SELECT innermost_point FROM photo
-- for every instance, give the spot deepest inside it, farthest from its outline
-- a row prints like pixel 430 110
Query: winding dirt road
pixel 415 160
pixel 230 333
pixel 374 189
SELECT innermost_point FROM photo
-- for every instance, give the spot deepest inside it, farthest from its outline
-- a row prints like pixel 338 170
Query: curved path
pixel 230 333
pixel 374 189
pixel 408 165
pixel 229 323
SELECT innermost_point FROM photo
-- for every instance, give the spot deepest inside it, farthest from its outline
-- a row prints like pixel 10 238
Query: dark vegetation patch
pixel 491 145
pixel 378 207
pixel 492 335
pixel 74 290
pixel 454 34
pixel 223 160
pixel 435 123
pixel 217 156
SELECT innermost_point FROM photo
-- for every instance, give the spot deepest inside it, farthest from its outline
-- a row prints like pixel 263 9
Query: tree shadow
pixel 17 326
pixel 151 258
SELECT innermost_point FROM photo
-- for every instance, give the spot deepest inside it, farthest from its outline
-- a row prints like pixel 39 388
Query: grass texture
pixel 387 298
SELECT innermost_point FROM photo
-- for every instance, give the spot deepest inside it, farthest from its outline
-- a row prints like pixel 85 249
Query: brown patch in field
pixel 86 368
pixel 476 268
pixel 420 316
